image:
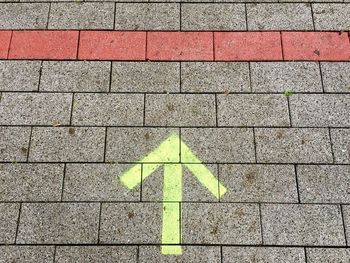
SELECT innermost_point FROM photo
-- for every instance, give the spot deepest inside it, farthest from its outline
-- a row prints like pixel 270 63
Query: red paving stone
pixel 5 38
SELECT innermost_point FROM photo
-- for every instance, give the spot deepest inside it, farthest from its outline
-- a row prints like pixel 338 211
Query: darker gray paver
pixel 35 108
pixel 49 223
pixel 147 16
pixel 285 145
pixel 19 75
pixel 75 76
pixel 180 110
pixel 213 17
pixel 61 144
pixel 346 216
pixel 27 254
pixel 252 110
pixel 324 183
pixel 341 145
pixel 331 16
pixel 81 16
pixel 258 183
pixel 215 77
pixel 31 182
pixel 14 143
pixel 327 255
pixel 8 222
pixel 320 110
pixel 284 16
pixel 286 76
pixel 108 109
pixel 336 77
pixel 307 225
pixel 205 223
pixel 151 77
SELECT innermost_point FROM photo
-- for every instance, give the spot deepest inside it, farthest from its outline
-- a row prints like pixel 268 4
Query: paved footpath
pixel 166 131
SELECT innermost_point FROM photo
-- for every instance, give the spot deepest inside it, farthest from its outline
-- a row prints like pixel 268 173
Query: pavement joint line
pixel 297 182
pixel 331 143
pixel 343 220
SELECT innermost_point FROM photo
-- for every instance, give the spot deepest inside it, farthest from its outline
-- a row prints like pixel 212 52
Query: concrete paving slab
pixel 341 145
pixel 222 77
pixel 30 254
pixel 336 77
pixel 57 223
pixel 306 225
pixel 331 16
pixel 323 255
pixel 8 222
pixel 346 217
pixel 14 143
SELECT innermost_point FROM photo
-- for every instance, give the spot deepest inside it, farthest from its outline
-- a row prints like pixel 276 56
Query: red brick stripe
pixel 174 46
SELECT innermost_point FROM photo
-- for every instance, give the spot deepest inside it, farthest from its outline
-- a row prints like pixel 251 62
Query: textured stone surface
pixel 30 254
pixel 341 145
pixel 336 77
pixel 14 143
pixel 331 16
pixel 325 255
pixel 8 222
pixel 346 216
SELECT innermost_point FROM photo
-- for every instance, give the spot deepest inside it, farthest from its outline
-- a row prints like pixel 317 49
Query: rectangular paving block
pixel 341 145
pixel 133 144
pixel 324 183
pixel 252 110
pixel 8 222
pixel 204 223
pixel 258 183
pixel 77 76
pixel 131 223
pixel 331 16
pixel 96 254
pixel 346 217
pixel 320 110
pixel 81 15
pixel 97 182
pixel 31 182
pixel 38 254
pixel 304 225
pixel 14 143
pixel 283 145
pixel 216 17
pixel 35 108
pixel 147 16
pixel 180 110
pixel 336 77
pixel 24 15
pixel 106 109
pixel 5 38
pixel 220 145
pixel 324 255
pixel 262 254
pixel 63 144
pixel 285 76
pixel 278 16
pixel 145 77
pixel 215 77
pixel 193 254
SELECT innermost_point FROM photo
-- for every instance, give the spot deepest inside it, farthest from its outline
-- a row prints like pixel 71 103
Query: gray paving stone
pixel 75 76
pixel 23 16
pixel 14 143
pixel 341 145
pixel 327 255
pixel 193 254
pixel 283 76
pixel 262 254
pixel 307 225
pixel 57 223
pixel 320 110
pixel 253 110
pixel 220 145
pixel 19 75
pixel 285 145
pixel 35 108
pixel 26 254
pixel 180 110
pixel 151 77
pixel 258 183
pixel 8 222
pixel 31 182
pixel 131 223
pixel 62 144
pixel 213 17
pixel 215 77
pixel 81 16
pixel 204 223
pixel 275 16
pixel 108 109
pixel 96 254
pixel 331 16
pixel 97 182
pixel 324 183
pixel 132 144
pixel 336 77
pixel 346 216
pixel 147 16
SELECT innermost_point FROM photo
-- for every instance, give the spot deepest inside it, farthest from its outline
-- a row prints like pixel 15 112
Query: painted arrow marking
pixel 168 155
